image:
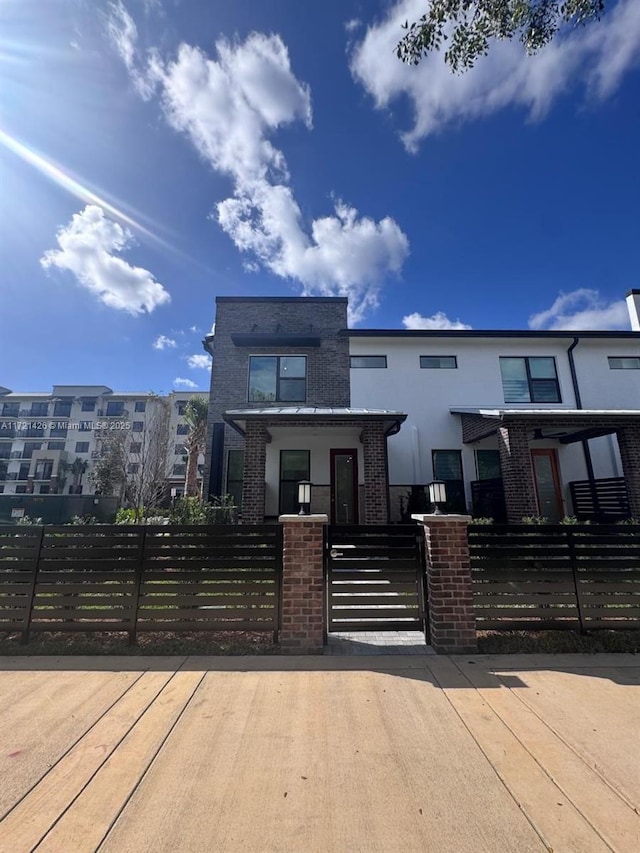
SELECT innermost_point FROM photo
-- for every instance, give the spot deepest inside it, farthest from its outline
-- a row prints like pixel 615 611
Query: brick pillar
pixel 452 620
pixel 376 492
pixel 629 446
pixel 517 473
pixel 255 458
pixel 30 485
pixel 302 628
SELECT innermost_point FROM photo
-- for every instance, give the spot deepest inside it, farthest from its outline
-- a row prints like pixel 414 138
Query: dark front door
pixel 547 480
pixel 344 486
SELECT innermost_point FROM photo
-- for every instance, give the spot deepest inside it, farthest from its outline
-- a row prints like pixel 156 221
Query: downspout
pixel 576 390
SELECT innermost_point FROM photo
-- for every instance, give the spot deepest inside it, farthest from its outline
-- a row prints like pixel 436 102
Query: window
pixel 368 361
pixel 62 409
pixel 530 380
pixel 438 361
pixel 29 447
pixel 21 490
pixel 180 450
pixel 627 362
pixel 182 406
pixel 133 467
pixel 89 404
pixel 135 447
pixel 140 406
pixel 56 445
pixel 183 429
pixel 137 426
pixel 235 475
pixel 179 470
pixel 45 489
pixel 488 464
pixel 447 466
pixel 23 473
pixel 59 431
pixel 10 410
pixel 44 468
pixel 82 446
pixel 277 379
pixel 115 408
pixel 5 451
pixel 294 466
pixel 39 410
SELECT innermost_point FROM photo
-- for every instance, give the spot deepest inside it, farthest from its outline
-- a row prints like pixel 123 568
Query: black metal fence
pixel 140 578
pixel 600 500
pixel 528 577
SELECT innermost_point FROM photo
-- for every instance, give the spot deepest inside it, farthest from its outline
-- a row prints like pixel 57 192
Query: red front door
pixel 547 481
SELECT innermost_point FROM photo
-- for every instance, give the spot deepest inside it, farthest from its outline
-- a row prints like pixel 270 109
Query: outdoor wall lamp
pixel 437 495
pixel 304 496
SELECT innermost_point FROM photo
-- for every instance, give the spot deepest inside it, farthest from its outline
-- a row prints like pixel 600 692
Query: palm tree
pixel 78 468
pixel 195 415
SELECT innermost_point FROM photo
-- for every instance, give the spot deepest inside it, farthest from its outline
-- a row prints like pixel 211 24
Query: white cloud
pixel 439 320
pixel 596 56
pixel 163 342
pixel 581 310
pixel 89 245
pixel 194 329
pixel 229 107
pixel 199 361
pixel 180 382
pixel 352 25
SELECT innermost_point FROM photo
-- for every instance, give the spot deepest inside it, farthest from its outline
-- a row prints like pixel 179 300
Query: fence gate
pixel 375 578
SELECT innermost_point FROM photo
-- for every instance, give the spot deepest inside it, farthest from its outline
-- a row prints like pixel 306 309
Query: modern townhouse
pixel 515 423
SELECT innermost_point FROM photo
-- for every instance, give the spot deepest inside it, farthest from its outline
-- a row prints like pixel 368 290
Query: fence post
pixel 576 582
pixel 452 621
pixel 302 629
pixel 32 591
pixel 137 587
pixel 279 570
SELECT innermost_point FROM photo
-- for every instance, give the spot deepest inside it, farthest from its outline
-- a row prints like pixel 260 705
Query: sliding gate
pixel 375 578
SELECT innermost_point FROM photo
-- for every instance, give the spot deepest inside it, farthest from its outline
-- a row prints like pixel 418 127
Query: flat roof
pixel 484 333
pixel 281 299
pixel 237 417
pixel 535 413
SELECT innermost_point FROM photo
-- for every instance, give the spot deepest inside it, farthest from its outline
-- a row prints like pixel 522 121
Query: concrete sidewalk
pixel 327 754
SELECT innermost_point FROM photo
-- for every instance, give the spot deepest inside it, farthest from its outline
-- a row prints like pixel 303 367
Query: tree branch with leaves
pixel 468 27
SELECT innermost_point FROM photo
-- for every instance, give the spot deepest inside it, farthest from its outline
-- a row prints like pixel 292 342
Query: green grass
pixel 557 642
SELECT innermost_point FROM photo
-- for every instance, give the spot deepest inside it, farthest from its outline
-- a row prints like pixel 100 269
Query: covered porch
pixel 342 451
pixel 520 433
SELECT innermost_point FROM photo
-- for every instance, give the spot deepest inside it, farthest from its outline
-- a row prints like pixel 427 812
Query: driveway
pixel 327 754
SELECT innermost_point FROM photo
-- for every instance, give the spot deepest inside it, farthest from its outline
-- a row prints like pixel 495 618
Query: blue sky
pixel 157 154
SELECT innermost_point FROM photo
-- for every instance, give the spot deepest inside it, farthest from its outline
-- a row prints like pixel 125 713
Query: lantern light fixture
pixel 437 495
pixel 304 497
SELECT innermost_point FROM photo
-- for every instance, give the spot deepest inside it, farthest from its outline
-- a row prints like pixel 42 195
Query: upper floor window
pixel 89 404
pixel 82 446
pixel 630 362
pixel 182 429
pixel 368 361
pixel 62 408
pixel 531 379
pixel 39 409
pixel 182 406
pixel 277 378
pixel 137 426
pixel 11 410
pixel 115 407
pixel 140 406
pixel 438 361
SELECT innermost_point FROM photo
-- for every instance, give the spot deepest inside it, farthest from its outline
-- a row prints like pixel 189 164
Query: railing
pixel 600 500
pixel 488 499
pixel 535 577
pixel 140 578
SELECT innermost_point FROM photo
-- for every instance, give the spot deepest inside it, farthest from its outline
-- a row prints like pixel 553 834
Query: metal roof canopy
pixel 237 418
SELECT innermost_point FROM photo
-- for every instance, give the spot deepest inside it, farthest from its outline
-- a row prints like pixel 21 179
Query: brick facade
pixel 376 493
pixel 452 621
pixel 328 381
pixel 255 457
pixel 629 446
pixel 302 628
pixel 517 473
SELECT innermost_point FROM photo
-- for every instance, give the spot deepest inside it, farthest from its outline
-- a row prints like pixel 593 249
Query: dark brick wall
pixel 376 492
pixel 629 446
pixel 255 455
pixel 517 473
pixel 327 365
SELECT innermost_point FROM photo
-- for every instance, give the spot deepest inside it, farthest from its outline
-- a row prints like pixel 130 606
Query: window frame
pixel 118 405
pixel 283 509
pixel 353 366
pixel 62 408
pixel 140 406
pixel 531 380
pixel 455 503
pixel 486 450
pixel 82 444
pixel 137 426
pixel 279 379
pixel 612 358
pixel 453 366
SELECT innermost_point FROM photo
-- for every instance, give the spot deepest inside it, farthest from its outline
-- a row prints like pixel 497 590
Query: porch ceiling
pixel 568 425
pixel 300 416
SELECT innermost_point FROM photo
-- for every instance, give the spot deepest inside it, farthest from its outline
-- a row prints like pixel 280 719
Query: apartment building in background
pixel 43 433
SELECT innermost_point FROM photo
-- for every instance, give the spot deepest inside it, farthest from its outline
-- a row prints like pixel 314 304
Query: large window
pixel 39 410
pixel 10 410
pixel 630 362
pixel 488 464
pixel 62 408
pixel 277 379
pixel 368 361
pixel 235 475
pixel 430 362
pixel 44 468
pixel 115 408
pixel 530 380
pixel 447 466
pixel 294 466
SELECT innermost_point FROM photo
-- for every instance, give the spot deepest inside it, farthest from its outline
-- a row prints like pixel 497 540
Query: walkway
pixel 377 643
pixel 371 754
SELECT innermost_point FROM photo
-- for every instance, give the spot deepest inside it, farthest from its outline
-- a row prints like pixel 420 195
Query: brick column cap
pixel 440 518
pixel 319 517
